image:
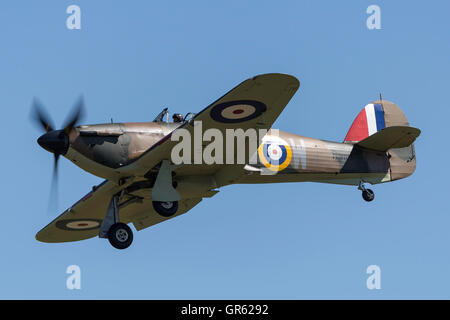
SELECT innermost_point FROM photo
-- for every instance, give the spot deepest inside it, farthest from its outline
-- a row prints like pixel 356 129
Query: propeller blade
pixel 51 143
pixel 53 199
pixel 40 116
pixel 75 116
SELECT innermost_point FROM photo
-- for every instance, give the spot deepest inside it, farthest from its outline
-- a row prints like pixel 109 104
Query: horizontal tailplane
pixel 390 137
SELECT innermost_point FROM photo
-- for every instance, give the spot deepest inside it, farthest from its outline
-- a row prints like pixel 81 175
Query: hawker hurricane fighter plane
pixel 145 186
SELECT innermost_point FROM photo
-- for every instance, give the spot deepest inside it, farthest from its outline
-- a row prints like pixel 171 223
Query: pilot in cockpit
pixel 177 117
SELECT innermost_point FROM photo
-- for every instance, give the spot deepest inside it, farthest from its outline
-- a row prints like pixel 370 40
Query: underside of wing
pixel 84 218
pixel 143 215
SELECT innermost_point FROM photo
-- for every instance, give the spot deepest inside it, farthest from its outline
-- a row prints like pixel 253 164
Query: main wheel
pixel 120 236
pixel 368 195
pixel 165 208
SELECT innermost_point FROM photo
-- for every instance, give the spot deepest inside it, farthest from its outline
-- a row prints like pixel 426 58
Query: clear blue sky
pixel 300 240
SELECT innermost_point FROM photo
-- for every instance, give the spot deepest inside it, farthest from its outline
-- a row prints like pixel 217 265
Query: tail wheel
pixel 165 208
pixel 368 195
pixel 120 236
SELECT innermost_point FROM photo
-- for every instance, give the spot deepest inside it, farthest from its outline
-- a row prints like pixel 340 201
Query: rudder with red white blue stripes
pixel 370 120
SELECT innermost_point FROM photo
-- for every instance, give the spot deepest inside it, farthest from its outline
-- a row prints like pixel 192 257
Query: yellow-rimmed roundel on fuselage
pixel 274 153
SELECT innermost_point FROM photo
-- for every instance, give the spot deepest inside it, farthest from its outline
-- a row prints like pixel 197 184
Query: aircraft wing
pixel 83 219
pixel 255 103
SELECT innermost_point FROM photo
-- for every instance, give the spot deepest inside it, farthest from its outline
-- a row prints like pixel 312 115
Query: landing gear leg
pixel 367 194
pixel 119 234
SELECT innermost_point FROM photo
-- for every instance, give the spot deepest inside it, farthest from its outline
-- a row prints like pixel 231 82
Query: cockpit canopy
pixel 164 116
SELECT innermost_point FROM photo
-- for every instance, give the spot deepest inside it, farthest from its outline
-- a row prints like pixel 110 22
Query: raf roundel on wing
pixel 237 111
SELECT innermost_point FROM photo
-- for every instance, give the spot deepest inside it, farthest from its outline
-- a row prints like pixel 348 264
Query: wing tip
pixel 279 77
pixel 44 236
pixel 40 237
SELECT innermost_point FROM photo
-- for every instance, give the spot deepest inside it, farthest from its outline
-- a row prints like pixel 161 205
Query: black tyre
pixel 120 236
pixel 368 195
pixel 166 208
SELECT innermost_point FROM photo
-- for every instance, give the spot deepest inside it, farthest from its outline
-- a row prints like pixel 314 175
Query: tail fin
pixel 379 116
pixel 370 120
pixel 375 116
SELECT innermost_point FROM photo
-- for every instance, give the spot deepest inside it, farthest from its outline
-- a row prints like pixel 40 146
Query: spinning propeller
pixel 55 141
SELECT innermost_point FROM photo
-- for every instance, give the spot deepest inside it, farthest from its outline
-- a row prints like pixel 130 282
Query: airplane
pixel 144 187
